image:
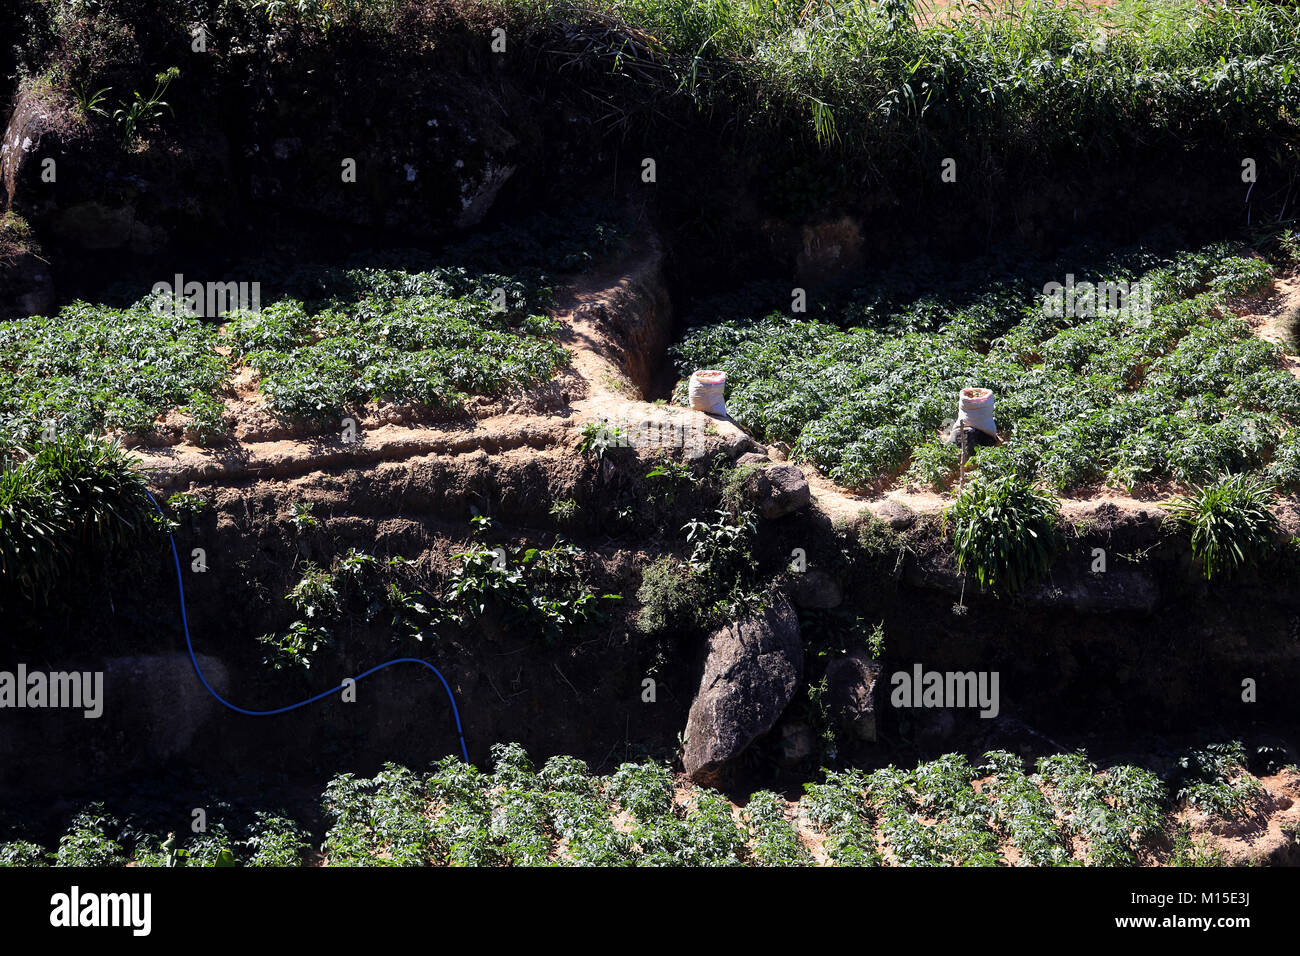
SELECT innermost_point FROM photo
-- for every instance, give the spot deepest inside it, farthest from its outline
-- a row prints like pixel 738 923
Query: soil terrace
pixel 608 373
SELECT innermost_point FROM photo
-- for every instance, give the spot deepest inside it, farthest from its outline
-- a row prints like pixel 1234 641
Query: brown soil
pixel 1278 315
pixel 1266 835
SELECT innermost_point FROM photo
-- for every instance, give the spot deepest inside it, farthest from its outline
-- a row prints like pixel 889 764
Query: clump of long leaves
pixel 64 500
pixel 1004 531
pixel 1230 522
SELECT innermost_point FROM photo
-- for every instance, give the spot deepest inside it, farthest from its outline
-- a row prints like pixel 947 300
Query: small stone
pixel 898 516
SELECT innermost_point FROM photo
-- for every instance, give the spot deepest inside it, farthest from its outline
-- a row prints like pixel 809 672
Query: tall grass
pixel 1003 531
pixel 1044 74
pixel 890 81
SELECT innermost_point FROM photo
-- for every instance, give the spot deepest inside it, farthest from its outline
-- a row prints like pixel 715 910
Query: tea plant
pixel 1116 812
pixel 22 853
pixel 87 842
pixel 426 349
pixel 1023 814
pixel 945 812
pixel 276 841
pixel 91 368
pixel 840 808
pixel 598 438
pixel 1214 779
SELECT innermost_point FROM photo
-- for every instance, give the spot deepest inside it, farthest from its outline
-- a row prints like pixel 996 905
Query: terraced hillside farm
pixel 642 433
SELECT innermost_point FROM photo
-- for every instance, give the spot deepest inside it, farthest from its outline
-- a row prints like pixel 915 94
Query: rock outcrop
pixel 750 675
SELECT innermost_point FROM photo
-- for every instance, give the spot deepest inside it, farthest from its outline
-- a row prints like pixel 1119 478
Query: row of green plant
pixel 422 350
pixel 96 837
pixel 1183 391
pixel 90 367
pixel 1065 811
pixel 399 325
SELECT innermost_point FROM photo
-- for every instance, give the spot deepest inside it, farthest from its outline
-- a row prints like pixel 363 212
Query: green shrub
pixel 22 853
pixel 564 511
pixel 598 438
pixel 1230 523
pixel 87 842
pixel 1004 532
pixel 276 841
pixel 542 586
pixel 721 548
pixel 1116 811
pixel 1022 813
pixel 1214 779
pixel 670 597
pixel 840 808
pixel 776 843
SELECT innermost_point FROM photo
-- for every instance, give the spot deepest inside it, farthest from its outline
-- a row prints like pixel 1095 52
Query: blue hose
pixel 189 644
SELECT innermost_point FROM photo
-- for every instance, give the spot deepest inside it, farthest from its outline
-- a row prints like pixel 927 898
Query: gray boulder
pixel 750 674
pixel 782 490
